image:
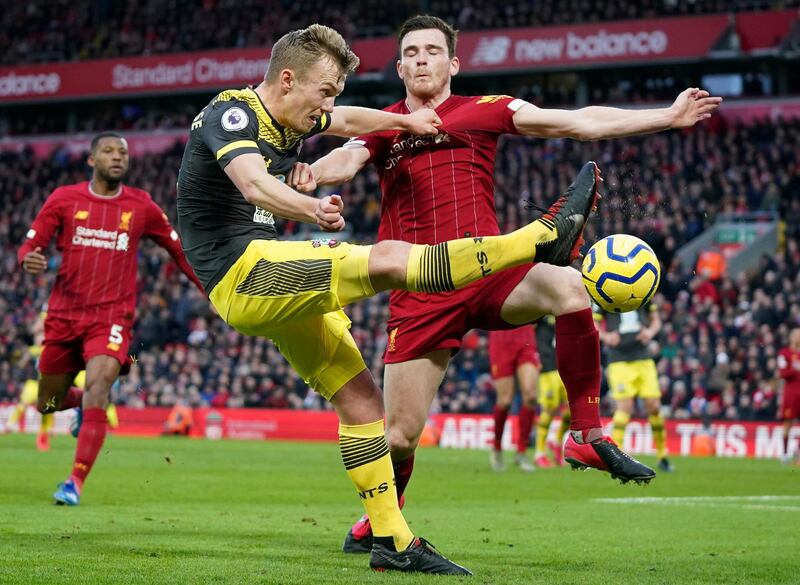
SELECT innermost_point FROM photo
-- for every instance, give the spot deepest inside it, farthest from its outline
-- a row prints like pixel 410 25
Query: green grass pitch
pixel 186 511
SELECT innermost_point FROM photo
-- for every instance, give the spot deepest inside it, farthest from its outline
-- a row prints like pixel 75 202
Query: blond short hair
pixel 299 50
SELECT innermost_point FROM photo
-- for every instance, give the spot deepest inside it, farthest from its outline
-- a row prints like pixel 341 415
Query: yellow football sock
pixel 47 423
pixel 566 419
pixel 659 434
pixel 542 427
pixel 619 421
pixel 454 264
pixel 111 415
pixel 367 461
pixel 16 414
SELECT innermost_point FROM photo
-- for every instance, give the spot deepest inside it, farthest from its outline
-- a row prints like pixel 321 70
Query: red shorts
pixel 68 345
pixel 420 323
pixel 790 406
pixel 508 350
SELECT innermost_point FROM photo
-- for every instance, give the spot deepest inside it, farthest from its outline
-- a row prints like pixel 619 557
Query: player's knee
pixel 388 262
pixel 401 442
pixel 568 292
pixel 46 405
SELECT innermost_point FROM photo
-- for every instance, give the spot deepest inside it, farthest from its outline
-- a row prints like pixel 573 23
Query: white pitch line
pixel 738 502
pixel 680 499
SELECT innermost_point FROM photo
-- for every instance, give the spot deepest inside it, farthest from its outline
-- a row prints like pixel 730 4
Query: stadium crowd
pixel 716 353
pixel 67 30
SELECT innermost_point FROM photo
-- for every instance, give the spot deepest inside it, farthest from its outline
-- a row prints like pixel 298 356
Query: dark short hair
pixel 98 137
pixel 425 21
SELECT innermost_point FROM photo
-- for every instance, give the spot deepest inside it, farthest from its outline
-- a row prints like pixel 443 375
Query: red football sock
pixel 500 416
pixel 402 473
pixel 578 359
pixel 90 440
pixel 526 416
pixel 72 399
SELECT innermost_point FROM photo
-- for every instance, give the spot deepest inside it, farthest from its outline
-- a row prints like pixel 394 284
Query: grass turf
pixel 187 511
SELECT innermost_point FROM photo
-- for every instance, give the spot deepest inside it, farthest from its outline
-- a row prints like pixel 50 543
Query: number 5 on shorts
pixel 115 338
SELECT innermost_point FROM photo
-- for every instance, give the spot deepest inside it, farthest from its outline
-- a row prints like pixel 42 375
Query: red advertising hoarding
pixel 670 39
pixel 455 431
pixel 586 45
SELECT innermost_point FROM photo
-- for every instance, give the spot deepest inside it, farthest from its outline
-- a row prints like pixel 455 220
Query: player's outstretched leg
pixel 553 238
pixel 419 557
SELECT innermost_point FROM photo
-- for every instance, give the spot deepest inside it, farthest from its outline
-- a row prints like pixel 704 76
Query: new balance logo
pixel 491 50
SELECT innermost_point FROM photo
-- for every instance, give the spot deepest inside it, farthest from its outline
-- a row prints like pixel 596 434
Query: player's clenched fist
pixel 329 213
pixel 423 122
pixel 301 178
pixel 34 262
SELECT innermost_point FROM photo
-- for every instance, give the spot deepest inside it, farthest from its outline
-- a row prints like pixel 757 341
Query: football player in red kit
pixel 439 187
pixel 789 371
pixel 513 353
pixel 97 225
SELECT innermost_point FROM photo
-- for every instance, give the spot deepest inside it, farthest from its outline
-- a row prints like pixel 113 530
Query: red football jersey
pixel 438 188
pixel 98 238
pixel 789 369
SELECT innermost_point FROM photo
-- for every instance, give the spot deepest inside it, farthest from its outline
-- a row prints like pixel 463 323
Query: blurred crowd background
pixel 716 352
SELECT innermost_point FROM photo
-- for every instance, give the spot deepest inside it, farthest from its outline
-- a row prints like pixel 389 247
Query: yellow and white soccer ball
pixel 621 273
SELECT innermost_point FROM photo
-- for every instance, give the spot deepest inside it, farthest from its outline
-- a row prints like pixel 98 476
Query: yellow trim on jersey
pixel 234 145
pixel 283 140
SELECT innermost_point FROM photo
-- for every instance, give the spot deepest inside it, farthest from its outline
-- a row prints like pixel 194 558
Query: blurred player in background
pixel 631 372
pixel 552 396
pixel 241 148
pixel 97 225
pixel 435 189
pixel 513 352
pixel 789 372
pixel 30 393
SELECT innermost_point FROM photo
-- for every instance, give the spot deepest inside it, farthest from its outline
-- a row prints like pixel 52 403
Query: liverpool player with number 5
pixel 98 225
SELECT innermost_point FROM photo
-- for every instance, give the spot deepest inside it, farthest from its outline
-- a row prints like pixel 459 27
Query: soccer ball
pixel 621 273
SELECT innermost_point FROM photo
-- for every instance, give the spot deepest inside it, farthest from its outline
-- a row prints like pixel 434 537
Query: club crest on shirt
pixel 125 220
pixel 390 346
pixel 234 119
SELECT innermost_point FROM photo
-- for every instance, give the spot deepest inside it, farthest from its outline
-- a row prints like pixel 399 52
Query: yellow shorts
pixel 30 392
pixel 632 379
pixel 293 293
pixel 552 393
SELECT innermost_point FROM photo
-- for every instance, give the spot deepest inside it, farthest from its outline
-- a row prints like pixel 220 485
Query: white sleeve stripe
pixel 516 104
pixel 353 143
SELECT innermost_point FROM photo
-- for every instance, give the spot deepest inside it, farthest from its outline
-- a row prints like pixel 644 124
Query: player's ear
pixel 90 160
pixel 287 79
pixel 455 66
pixel 399 71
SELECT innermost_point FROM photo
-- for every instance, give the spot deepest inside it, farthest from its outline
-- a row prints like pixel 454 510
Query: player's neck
pixel 104 189
pixel 271 101
pixel 414 103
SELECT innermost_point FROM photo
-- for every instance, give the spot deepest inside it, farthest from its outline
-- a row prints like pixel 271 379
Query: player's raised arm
pixel 46 224
pixel 158 228
pixel 599 122
pixel 354 121
pixel 248 173
pixel 337 167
